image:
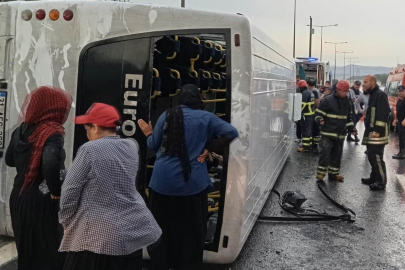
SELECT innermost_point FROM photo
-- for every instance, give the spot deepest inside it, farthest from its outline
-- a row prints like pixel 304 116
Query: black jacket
pixel 337 115
pixel 308 104
pixel 376 120
pixel 53 157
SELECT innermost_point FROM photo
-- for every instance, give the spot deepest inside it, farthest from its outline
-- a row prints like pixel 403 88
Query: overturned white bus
pixel 136 57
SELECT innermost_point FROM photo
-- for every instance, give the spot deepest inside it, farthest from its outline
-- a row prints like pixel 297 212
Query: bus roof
pixel 398 69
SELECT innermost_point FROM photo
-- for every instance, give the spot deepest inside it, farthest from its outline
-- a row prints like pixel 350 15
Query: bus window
pixel 141 77
pixel 200 60
pixel 393 89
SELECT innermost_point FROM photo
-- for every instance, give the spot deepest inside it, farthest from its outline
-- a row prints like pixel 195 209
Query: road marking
pixel 7 253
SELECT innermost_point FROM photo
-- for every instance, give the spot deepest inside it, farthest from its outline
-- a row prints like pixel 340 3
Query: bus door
pixel 117 72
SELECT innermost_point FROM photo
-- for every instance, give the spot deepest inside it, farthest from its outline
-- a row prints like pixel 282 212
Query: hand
pixel 54 197
pixel 201 158
pixel 220 158
pixel 146 129
pixel 395 122
pixel 375 135
pixel 403 123
pixel 321 122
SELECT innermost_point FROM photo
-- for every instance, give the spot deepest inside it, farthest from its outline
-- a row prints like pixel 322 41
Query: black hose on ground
pixel 349 216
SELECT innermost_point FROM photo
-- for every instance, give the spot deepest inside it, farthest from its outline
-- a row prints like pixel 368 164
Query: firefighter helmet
pixel 343 85
pixel 302 83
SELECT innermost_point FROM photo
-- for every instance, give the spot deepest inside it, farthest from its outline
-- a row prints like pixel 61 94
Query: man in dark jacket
pixel 334 116
pixel 307 116
pixel 376 133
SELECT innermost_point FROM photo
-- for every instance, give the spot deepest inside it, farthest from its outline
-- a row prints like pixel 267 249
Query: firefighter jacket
pixel 336 113
pixel 376 120
pixel 308 103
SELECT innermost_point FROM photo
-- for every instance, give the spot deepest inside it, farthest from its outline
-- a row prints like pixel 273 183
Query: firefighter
pixel 316 136
pixel 307 116
pixel 376 133
pixel 334 116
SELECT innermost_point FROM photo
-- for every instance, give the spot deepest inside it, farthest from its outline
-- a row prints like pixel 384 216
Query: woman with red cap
pixel 105 219
pixel 36 151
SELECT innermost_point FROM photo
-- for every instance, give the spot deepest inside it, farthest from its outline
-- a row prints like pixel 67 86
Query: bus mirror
pixel 297 107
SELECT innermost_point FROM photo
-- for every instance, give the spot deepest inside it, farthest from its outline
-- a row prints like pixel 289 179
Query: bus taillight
pixel 40 14
pixel 26 15
pixel 54 15
pixel 68 15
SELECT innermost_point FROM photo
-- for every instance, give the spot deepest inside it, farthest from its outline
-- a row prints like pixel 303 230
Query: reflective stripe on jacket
pixel 308 104
pixel 337 116
pixel 376 119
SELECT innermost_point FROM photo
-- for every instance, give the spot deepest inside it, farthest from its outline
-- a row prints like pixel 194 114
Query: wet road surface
pixel 375 241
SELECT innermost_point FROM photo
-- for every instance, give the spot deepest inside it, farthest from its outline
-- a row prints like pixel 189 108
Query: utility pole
pixel 295 17
pixel 310 35
pixel 322 26
pixel 336 43
pixel 183 3
pixel 344 63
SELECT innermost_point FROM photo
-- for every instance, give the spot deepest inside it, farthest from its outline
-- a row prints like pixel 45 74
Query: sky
pixel 374 29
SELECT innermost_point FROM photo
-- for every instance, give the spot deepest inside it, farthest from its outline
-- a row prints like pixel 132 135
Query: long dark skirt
pixel 183 220
pixel 37 232
pixel 86 260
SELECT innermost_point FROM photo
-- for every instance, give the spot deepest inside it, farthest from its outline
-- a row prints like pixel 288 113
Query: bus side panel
pixel 7 35
pixel 273 80
pixel 238 170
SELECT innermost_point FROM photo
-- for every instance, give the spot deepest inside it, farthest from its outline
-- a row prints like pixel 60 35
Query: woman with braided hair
pixel 178 188
pixel 36 151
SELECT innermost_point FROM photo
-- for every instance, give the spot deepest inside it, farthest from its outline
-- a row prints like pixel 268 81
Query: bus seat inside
pixel 198 60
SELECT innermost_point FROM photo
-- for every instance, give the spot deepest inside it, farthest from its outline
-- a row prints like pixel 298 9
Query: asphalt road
pixel 375 241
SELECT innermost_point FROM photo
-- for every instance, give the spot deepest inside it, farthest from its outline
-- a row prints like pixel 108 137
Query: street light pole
pixel 295 16
pixel 355 66
pixel 350 60
pixel 344 63
pixel 336 43
pixel 322 26
pixel 310 35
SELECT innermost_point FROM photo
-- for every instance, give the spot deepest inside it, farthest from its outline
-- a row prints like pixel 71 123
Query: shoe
pixel 377 186
pixel 367 181
pixel 319 176
pixel 302 149
pixel 336 177
pixel 400 155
